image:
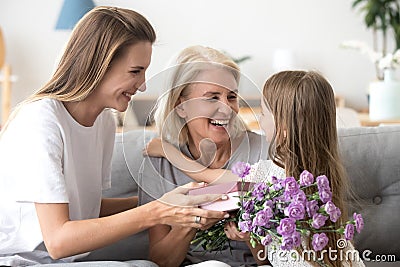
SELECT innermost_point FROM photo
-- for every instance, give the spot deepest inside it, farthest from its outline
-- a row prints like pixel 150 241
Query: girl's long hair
pixel 303 106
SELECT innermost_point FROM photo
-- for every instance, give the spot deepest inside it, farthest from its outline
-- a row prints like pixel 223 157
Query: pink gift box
pixel 232 189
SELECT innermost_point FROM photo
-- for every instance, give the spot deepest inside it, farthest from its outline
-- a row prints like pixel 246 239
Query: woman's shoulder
pixel 255 138
pixel 36 114
pixel 43 106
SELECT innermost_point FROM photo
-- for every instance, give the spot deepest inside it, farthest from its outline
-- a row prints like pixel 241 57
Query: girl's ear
pixel 284 134
pixel 180 109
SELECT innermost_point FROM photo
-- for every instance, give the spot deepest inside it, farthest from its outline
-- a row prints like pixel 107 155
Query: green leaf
pixel 355 3
pixel 200 244
pixel 253 242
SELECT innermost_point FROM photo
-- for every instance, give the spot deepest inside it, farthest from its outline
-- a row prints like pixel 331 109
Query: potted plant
pixel 383 17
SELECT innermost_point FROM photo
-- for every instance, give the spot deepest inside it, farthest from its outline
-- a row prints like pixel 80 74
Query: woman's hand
pixel 233 233
pixel 177 208
pixel 154 148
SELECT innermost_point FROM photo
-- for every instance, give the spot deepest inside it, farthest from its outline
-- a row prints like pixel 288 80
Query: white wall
pixel 311 29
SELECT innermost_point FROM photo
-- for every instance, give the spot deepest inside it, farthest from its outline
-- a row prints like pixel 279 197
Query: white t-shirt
pixel 48 157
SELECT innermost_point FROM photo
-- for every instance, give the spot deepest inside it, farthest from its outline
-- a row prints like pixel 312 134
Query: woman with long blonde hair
pixel 198 113
pixel 56 149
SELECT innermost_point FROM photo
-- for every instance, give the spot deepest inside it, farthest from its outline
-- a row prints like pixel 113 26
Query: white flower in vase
pixel 382 17
pixel 382 62
pixel 390 61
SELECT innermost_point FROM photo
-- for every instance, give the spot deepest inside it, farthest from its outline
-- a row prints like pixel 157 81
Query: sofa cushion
pixel 128 145
pixel 123 184
pixel 371 158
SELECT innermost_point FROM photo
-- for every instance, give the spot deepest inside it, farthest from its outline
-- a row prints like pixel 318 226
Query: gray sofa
pixel 372 160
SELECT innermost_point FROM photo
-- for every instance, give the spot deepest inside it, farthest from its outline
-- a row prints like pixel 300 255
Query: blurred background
pixel 284 34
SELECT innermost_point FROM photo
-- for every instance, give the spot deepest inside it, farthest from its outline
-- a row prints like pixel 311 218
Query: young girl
pixel 299 119
pixel 55 152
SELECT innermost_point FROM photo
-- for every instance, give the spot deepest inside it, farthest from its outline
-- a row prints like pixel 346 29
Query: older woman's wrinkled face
pixel 209 105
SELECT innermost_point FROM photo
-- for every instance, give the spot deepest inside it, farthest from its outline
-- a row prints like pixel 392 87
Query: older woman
pixel 198 114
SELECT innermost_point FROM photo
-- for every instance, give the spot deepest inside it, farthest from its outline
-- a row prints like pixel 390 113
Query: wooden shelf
pixel 251 117
pixel 366 121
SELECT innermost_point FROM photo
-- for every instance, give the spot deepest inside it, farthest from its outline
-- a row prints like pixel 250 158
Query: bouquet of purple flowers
pixel 281 210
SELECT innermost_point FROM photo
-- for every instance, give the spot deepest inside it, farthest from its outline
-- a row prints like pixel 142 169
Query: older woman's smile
pixel 220 123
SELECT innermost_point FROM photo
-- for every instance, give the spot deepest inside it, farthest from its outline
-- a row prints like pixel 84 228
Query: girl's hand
pixel 154 148
pixel 233 233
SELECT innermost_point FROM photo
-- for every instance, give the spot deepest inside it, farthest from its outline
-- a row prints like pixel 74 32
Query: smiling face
pixel 209 106
pixel 126 75
pixel 267 121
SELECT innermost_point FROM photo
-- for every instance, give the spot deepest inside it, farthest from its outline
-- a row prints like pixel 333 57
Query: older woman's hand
pixel 181 209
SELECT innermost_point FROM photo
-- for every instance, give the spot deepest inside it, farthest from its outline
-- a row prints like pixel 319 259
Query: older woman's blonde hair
pixel 98 38
pixel 189 64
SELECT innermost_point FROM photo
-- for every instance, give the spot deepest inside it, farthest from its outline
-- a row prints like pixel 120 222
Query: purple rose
pixel 248 206
pixel 291 186
pixel 323 182
pixel 296 239
pixel 295 210
pixel 312 207
pixel 269 203
pixel 319 241
pixel 359 222
pixel 259 191
pixel 245 226
pixel 287 243
pixel 300 197
pixel 273 180
pixel 349 231
pixel 246 216
pixel 306 178
pixel 333 211
pixel 262 217
pixel 329 207
pixel 318 220
pixel 286 227
pixel 335 215
pixel 267 225
pixel 325 195
pixel 280 183
pixel 241 169
pixel 268 211
pixel 266 240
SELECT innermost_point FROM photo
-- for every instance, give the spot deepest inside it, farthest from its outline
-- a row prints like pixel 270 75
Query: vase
pixel 384 98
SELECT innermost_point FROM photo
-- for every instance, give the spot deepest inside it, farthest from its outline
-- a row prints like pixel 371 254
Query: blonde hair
pixel 189 64
pixel 99 37
pixel 305 138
